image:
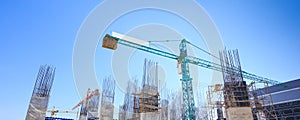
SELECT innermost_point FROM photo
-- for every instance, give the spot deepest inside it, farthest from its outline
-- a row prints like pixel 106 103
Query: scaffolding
pixel 41 93
pixel 142 103
pixel 262 102
pixel 146 102
pixel 215 101
pixel 236 97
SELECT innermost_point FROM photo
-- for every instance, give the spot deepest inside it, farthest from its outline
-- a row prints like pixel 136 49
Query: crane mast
pixel 187 86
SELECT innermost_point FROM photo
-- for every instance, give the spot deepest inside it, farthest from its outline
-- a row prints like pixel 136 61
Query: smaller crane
pixel 54 111
pixel 89 95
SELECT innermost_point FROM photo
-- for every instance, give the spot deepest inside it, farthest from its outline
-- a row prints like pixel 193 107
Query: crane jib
pixel 192 60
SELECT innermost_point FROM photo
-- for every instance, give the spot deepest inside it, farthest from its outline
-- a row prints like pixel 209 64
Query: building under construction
pixel 126 111
pixel 142 103
pixel 107 99
pixel 232 99
pixel 236 97
pixel 278 102
pixel 146 102
pixel 261 97
pixel 215 100
pixel 41 93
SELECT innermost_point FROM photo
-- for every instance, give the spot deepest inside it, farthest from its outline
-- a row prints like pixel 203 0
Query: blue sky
pixel 40 32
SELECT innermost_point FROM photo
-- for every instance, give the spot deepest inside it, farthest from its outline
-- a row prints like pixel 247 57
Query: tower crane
pixel 111 41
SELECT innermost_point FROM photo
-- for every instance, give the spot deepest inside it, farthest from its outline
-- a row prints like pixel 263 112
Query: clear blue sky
pixel 39 32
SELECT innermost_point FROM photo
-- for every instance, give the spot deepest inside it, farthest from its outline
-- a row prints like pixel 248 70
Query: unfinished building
pixel 93 107
pixel 147 100
pixel 285 103
pixel 236 97
pixel 142 102
pixel 126 111
pixel 260 98
pixel 107 99
pixel 41 93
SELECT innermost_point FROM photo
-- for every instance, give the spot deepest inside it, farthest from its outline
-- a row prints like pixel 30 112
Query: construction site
pixel 241 95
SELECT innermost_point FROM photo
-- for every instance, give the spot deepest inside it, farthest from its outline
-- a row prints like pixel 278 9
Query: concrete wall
pixel 37 108
pixel 239 113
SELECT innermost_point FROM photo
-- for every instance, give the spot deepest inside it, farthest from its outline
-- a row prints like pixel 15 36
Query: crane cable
pixel 203 50
pixel 190 44
pixel 235 68
pixel 249 75
pixel 164 41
